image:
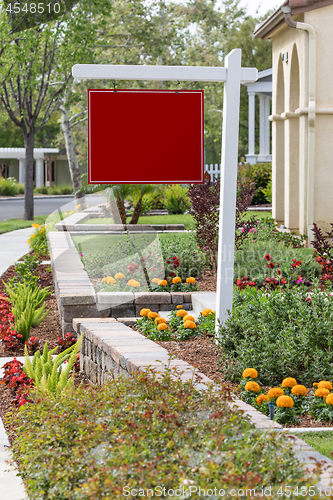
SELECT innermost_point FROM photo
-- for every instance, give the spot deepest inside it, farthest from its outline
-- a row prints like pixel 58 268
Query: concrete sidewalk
pixel 13 245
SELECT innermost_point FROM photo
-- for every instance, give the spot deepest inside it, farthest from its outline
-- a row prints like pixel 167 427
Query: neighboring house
pixel 302 113
pixel 50 167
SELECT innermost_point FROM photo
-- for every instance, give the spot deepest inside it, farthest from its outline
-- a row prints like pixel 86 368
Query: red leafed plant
pixel 324 251
pixel 19 383
pixel 67 341
pixel 9 338
pixel 33 345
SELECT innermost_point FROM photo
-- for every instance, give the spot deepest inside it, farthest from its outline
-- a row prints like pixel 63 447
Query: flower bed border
pixel 76 296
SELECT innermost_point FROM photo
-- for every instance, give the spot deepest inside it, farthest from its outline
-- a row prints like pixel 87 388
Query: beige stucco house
pixel 302 113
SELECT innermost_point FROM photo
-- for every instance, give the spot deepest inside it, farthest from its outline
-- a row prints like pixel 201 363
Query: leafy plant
pixel 25 272
pixel 27 308
pixel 260 174
pixel 38 240
pixel 51 375
pixel 147 430
pixel 176 199
pixel 281 333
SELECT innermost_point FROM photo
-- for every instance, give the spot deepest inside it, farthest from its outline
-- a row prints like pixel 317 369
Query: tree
pixel 35 70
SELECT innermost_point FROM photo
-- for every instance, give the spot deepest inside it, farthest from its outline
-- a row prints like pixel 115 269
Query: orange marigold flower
pixel 110 280
pixel 190 324
pixel 252 386
pixel 299 390
pixel 176 280
pixel 275 392
pixel 159 320
pixel 162 326
pixel 322 392
pixel 285 402
pixel 135 284
pixel 153 315
pixel 119 276
pixel 315 384
pixel 260 399
pixel 329 399
pixel 205 312
pixel 104 279
pixel 190 280
pixel 179 307
pixel 155 280
pixel 162 283
pixel 130 282
pixel 289 382
pixel 324 384
pixel 250 372
pixel 145 312
pixel 188 317
pixel 181 313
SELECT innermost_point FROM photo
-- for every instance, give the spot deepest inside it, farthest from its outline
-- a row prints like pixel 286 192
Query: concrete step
pixel 203 300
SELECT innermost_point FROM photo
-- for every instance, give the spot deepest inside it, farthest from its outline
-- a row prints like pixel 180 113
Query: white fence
pixel 213 170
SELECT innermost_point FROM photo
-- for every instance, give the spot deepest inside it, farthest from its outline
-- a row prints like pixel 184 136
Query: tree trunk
pixel 71 153
pixel 137 212
pixel 121 208
pixel 29 141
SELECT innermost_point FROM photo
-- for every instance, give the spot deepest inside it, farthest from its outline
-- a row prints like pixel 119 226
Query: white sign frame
pixel 232 75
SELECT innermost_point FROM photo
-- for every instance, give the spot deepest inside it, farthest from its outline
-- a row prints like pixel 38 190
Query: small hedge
pixel 282 333
pixel 143 433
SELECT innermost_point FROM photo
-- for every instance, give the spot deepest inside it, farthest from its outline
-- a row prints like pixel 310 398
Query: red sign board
pixel 145 136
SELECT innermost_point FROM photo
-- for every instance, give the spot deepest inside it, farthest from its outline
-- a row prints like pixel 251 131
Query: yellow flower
pixel 35 225
pixel 188 317
pixel 162 326
pixel 289 382
pixel 179 307
pixel 329 399
pixel 110 280
pixel 190 324
pixel 144 312
pixel 78 206
pixel 315 384
pixel 324 384
pixel 181 313
pixel 130 282
pixel 135 284
pixel 205 312
pixel 162 283
pixel 176 280
pixel 28 242
pixel 275 392
pixel 285 402
pixel 159 320
pixel 32 235
pixel 153 315
pixel 104 279
pixel 119 276
pixel 252 386
pixel 322 393
pixel 155 280
pixel 190 280
pixel 299 390
pixel 262 398
pixel 250 372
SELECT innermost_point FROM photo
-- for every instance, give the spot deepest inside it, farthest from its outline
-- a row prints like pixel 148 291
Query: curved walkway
pixel 13 245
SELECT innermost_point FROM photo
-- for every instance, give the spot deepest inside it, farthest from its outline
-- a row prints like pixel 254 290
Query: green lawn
pixel 320 441
pixel 13 224
pixel 187 219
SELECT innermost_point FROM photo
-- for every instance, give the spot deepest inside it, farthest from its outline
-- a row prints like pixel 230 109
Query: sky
pixel 263 5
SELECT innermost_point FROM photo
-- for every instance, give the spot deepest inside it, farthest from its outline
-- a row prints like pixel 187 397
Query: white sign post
pixel 232 75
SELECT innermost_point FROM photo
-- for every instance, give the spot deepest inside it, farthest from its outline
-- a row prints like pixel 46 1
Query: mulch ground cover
pixel 201 352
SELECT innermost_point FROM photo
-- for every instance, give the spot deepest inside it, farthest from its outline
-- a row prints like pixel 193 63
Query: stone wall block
pixel 81 311
pixel 123 310
pixel 152 298
pixel 176 298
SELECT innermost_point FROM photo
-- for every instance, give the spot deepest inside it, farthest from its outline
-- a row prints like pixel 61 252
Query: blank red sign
pixel 145 136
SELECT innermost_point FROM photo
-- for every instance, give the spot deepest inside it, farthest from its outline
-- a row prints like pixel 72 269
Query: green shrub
pixel 28 307
pixel 192 259
pixel 266 230
pixel 38 240
pixel 260 174
pixel 176 199
pixel 25 273
pixel 41 190
pixel 10 187
pixel 140 433
pixel 279 333
pixel 61 189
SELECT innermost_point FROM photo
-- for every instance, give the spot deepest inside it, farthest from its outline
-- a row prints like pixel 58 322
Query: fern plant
pixel 51 375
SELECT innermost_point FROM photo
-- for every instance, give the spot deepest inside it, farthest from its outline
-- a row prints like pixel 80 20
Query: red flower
pixel 268 257
pixel 270 265
pixel 279 272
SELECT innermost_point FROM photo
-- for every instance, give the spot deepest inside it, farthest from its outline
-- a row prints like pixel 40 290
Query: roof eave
pixel 270 24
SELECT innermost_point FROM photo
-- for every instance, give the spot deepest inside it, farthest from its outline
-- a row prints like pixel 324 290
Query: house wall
pixel 14 169
pixel 290 136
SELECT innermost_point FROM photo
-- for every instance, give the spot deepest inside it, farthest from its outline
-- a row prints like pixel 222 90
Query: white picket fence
pixel 214 171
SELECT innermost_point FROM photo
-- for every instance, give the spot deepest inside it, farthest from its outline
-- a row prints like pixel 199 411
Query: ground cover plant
pixel 280 332
pixel 185 219
pixel 144 432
